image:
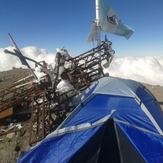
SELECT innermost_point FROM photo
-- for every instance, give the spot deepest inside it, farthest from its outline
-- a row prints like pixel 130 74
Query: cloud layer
pixel 8 61
pixel 144 69
pixel 148 69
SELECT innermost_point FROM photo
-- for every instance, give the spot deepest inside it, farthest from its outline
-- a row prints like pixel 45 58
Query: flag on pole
pixel 95 33
pixel 110 22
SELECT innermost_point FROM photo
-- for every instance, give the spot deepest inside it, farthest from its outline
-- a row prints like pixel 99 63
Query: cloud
pixel 8 61
pixel 146 69
pixel 38 54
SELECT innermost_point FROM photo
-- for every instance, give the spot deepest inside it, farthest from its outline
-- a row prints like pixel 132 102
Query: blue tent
pixel 118 120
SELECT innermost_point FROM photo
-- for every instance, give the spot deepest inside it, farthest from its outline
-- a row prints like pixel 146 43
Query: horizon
pixel 147 69
pixel 50 25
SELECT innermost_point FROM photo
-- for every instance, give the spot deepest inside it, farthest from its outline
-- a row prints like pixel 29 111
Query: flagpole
pixel 98 21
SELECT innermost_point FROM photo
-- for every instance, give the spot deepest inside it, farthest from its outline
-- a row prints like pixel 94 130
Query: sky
pixel 51 24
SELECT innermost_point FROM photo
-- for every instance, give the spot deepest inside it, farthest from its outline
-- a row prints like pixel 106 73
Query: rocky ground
pixel 157 91
pixel 7 78
pixel 17 139
pixel 14 143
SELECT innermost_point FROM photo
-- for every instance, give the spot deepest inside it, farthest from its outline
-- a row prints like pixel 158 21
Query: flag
pixel 95 33
pixel 110 22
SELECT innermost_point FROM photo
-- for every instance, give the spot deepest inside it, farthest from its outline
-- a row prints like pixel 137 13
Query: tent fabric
pixel 148 145
pixel 63 148
pixel 136 116
pixel 129 110
pixel 114 87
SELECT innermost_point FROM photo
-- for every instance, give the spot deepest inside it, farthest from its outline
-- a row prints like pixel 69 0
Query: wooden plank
pixel 6 113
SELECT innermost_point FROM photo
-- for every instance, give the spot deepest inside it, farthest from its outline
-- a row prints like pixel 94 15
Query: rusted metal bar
pixel 49 107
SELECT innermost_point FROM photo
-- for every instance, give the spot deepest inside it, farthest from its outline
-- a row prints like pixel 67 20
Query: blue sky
pixel 53 24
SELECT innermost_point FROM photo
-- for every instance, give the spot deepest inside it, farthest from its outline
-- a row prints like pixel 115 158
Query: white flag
pixel 95 33
pixel 110 22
